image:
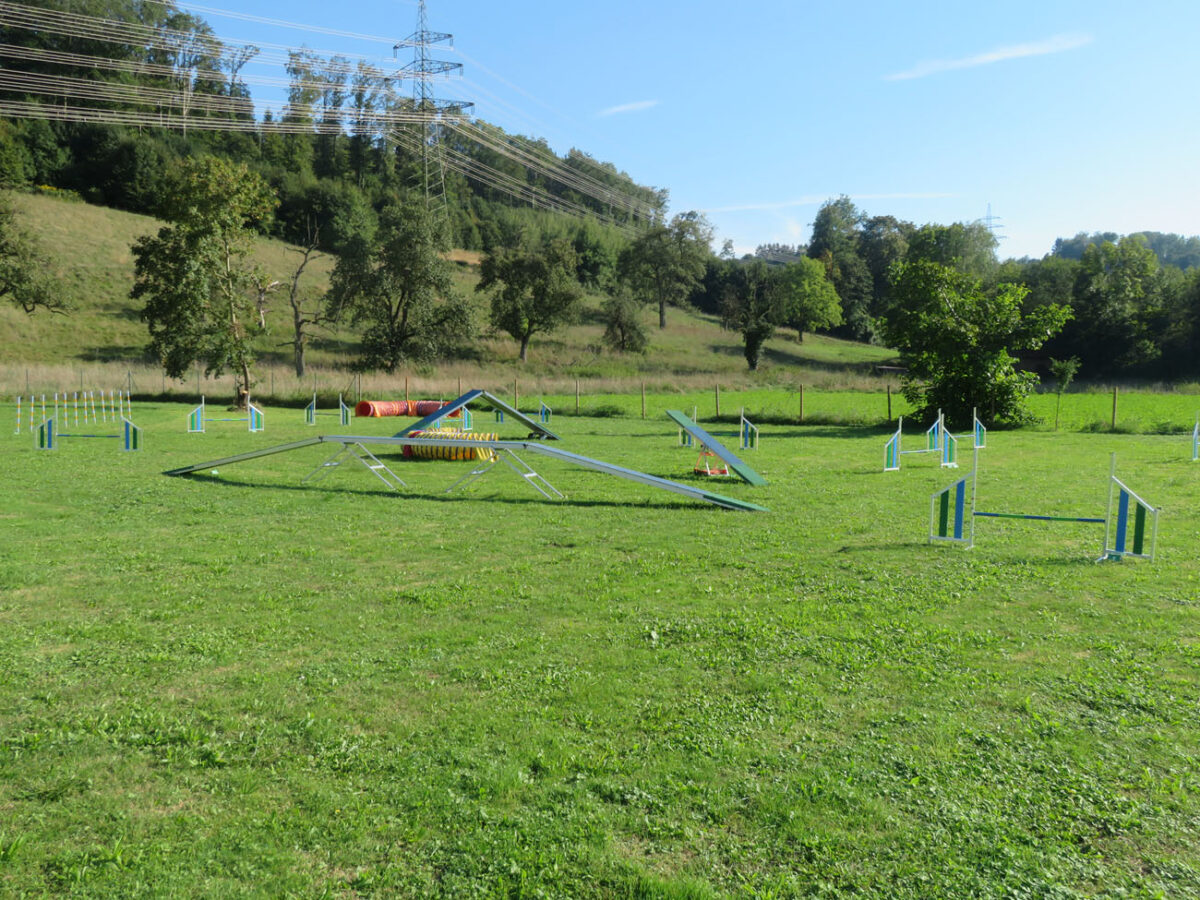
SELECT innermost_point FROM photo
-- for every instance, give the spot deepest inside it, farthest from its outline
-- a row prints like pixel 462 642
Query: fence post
pixel 1114 412
pixel 643 399
pixel 801 403
pixel 717 391
pixel 576 396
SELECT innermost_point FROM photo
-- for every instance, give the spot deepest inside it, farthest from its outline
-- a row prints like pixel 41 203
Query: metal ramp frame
pixel 538 447
pixel 518 465
pixel 369 460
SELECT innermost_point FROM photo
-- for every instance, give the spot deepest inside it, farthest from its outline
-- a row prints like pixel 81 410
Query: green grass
pixel 240 685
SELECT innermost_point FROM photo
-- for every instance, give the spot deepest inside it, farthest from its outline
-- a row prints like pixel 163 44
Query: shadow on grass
pixel 443 497
pixel 790 358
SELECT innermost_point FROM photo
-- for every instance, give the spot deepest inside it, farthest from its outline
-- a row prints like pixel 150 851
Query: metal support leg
pixel 361 454
pixel 517 465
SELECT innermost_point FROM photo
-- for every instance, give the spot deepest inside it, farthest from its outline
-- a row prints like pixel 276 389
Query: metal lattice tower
pixel 990 223
pixel 423 70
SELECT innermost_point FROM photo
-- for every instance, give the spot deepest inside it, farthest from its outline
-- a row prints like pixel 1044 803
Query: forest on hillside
pixel 85 85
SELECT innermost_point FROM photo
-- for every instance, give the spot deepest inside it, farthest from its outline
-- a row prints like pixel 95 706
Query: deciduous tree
pixel 204 298
pixel 533 289
pixel 666 262
pixel 395 282
pixel 25 273
pixel 957 342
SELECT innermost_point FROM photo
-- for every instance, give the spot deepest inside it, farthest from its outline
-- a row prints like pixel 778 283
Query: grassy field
pixel 241 685
pixel 104 340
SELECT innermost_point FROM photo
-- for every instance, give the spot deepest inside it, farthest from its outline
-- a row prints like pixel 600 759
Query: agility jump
pixel 1130 523
pixel 46 435
pixel 253 418
pixel 938 439
pixel 311 413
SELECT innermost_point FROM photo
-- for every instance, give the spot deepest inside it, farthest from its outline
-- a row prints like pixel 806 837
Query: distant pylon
pixel 989 222
pixel 422 70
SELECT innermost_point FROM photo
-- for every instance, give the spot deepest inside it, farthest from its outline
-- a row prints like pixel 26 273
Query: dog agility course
pixel 223 681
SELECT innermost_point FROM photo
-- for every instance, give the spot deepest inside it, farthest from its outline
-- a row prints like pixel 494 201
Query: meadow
pixel 239 684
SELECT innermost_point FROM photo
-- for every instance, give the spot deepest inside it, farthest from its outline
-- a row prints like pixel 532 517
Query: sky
pixel 1058 116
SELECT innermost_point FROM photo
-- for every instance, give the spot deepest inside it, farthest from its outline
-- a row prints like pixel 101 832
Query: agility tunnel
pixel 456 451
pixel 415 408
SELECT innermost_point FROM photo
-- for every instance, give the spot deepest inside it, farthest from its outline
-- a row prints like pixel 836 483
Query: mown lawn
pixel 241 685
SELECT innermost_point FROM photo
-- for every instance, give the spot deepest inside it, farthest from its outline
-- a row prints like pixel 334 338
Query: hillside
pixel 90 248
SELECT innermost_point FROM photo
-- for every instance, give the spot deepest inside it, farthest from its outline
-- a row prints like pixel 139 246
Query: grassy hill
pixel 103 340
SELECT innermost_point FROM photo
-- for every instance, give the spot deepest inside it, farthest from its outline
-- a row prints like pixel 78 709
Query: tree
pixel 751 307
pixel 204 300
pixel 835 243
pixel 1063 371
pixel 666 262
pixel 396 282
pixel 956 340
pixel 25 273
pixel 966 247
pixel 534 290
pixel 806 298
pixel 623 330
pixel 305 312
pixel 1117 297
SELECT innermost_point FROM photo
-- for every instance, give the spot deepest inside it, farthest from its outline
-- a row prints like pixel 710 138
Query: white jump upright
pixel 1130 523
pixel 343 413
pixel 938 439
pixel 253 418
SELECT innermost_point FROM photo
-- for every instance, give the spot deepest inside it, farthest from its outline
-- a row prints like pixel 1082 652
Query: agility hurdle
pixel 253 418
pixel 747 433
pixel 310 412
pixel 1130 523
pixel 544 412
pixel 937 440
pixel 47 435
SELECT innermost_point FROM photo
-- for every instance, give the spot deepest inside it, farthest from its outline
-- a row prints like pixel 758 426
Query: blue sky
pixel 1064 116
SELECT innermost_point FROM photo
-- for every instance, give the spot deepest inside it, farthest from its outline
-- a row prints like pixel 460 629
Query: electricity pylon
pixel 422 70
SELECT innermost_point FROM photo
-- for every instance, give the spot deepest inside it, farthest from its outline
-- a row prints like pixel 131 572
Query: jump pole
pixel 1195 432
pixel 1126 520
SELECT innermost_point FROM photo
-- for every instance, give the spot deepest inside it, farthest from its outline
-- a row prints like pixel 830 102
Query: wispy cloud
pixel 1058 44
pixel 627 108
pixel 816 199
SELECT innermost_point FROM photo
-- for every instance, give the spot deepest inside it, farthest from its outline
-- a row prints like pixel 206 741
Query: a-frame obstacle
pixel 1130 523
pixel 483 398
pixel 506 450
pixel 716 448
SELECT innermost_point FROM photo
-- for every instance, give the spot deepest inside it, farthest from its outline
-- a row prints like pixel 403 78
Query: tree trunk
pixel 524 348
pixel 299 351
pixel 243 394
pixel 662 313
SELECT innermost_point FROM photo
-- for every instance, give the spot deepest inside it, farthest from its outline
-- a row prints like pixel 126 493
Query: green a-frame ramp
pixel 715 447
